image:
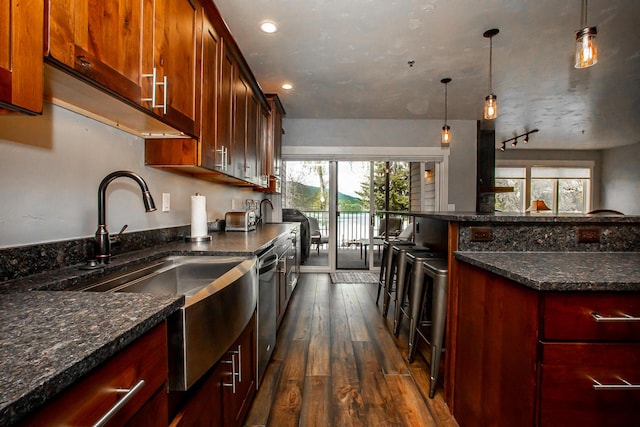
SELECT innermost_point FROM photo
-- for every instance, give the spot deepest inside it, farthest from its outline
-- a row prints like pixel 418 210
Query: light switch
pixel 166 202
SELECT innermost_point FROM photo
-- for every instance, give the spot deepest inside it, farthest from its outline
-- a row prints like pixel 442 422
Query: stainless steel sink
pixel 220 299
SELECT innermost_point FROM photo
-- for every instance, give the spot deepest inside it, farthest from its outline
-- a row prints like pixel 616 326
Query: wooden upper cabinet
pixel 228 69
pixel 21 43
pixel 211 155
pixel 174 59
pixel 251 145
pixel 130 48
pixel 239 140
pixel 101 40
pixel 274 142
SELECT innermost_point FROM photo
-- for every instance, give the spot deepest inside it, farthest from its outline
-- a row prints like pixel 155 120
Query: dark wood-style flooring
pixel 336 363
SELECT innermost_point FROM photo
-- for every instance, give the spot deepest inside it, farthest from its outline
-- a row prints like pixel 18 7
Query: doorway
pixel 363 189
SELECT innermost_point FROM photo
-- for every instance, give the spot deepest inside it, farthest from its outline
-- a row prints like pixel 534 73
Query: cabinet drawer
pixel 574 317
pixel 86 401
pixel 568 375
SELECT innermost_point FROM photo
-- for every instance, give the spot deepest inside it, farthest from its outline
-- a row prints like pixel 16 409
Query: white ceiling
pixel 348 59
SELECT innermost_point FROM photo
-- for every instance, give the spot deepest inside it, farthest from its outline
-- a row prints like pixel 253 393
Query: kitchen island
pixel 546 339
pixel 51 338
pixel 570 260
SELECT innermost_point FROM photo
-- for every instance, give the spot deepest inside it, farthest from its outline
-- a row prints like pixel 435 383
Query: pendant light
pixel 586 49
pixel 490 101
pixel 446 135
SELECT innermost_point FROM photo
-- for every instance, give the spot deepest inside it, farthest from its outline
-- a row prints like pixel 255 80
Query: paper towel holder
pixel 206 238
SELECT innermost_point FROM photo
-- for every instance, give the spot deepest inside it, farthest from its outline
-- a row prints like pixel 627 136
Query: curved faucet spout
pixel 103 245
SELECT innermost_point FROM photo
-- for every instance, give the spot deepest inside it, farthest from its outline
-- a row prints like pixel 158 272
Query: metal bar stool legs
pixel 437 270
pixel 385 266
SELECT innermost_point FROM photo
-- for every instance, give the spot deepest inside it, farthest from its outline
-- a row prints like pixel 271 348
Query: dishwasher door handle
pixel 268 264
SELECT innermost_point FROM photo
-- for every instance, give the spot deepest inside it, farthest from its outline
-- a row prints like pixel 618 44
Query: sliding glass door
pixel 340 200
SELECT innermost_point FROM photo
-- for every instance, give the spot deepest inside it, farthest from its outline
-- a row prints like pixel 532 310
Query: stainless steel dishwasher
pixel 267 302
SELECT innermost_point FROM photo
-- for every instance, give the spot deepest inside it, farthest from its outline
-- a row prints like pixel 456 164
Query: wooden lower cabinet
pixel 85 402
pixel 223 396
pixel 568 374
pixel 529 358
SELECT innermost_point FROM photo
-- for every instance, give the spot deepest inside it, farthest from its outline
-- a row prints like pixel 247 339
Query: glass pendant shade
pixel 586 49
pixel 446 135
pixel 490 107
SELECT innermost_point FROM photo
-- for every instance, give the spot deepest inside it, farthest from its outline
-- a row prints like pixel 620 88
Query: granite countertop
pixel 49 339
pixel 521 217
pixel 563 271
pixel 231 243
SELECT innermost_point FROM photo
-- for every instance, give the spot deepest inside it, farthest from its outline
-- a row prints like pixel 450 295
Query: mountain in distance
pixel 305 195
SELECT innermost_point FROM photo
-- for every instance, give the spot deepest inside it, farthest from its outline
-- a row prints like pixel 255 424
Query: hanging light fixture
pixel 586 49
pixel 446 134
pixel 490 101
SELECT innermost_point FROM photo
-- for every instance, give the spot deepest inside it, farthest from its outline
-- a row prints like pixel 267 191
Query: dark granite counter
pixel 232 243
pixel 562 271
pixel 50 339
pixel 500 217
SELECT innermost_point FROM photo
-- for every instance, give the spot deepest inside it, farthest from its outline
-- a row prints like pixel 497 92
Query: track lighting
pixel 490 101
pixel 514 140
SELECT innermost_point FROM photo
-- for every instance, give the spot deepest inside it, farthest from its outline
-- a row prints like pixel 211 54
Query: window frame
pixel 566 164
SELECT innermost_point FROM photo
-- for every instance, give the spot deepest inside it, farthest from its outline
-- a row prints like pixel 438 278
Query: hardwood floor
pixel 336 363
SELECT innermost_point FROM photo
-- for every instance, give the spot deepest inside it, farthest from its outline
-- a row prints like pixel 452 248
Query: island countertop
pixel 49 338
pixel 562 271
pixel 510 217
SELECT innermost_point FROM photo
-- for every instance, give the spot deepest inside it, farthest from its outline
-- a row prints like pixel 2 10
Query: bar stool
pixel 435 269
pixel 398 265
pixel 386 265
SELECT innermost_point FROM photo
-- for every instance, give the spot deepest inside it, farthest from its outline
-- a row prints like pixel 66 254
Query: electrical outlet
pixel 166 202
pixel 588 234
pixel 481 234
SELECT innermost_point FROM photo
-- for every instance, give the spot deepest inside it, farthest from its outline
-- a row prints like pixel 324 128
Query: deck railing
pixel 353 226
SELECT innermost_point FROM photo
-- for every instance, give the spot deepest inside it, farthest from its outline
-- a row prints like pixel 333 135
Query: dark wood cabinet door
pixel 569 372
pixel 175 44
pixel 226 107
pixel 251 146
pixel 21 41
pixel 101 40
pixel 210 154
pixel 239 140
pixel 243 353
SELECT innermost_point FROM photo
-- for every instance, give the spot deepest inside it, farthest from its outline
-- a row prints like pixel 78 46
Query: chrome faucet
pixel 260 218
pixel 102 241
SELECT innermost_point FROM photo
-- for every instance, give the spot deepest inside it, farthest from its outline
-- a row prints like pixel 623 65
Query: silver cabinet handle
pixel 129 393
pixel 233 374
pixel 239 363
pixel 223 158
pixel 626 385
pixel 154 84
pixel 623 318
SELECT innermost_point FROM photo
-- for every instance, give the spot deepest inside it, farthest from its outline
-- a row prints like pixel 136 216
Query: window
pixel 563 189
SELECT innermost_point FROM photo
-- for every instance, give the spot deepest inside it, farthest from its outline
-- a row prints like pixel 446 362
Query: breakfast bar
pixel 542 317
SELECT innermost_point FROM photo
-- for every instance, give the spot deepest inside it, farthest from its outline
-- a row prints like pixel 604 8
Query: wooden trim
pixel 451 329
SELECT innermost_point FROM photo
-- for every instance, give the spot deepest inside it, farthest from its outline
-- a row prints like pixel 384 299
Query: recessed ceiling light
pixel 268 27
pixel 287 86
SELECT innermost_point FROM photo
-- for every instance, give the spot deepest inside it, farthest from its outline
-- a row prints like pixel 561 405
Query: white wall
pixel 621 179
pixel 51 166
pixel 398 134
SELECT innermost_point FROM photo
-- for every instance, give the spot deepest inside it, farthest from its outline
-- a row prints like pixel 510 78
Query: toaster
pixel 240 221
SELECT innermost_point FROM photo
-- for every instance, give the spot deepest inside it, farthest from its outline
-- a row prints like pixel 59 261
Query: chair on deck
pixel 394 228
pixel 316 236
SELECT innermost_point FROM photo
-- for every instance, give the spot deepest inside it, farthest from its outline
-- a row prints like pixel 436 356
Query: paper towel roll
pixel 198 215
